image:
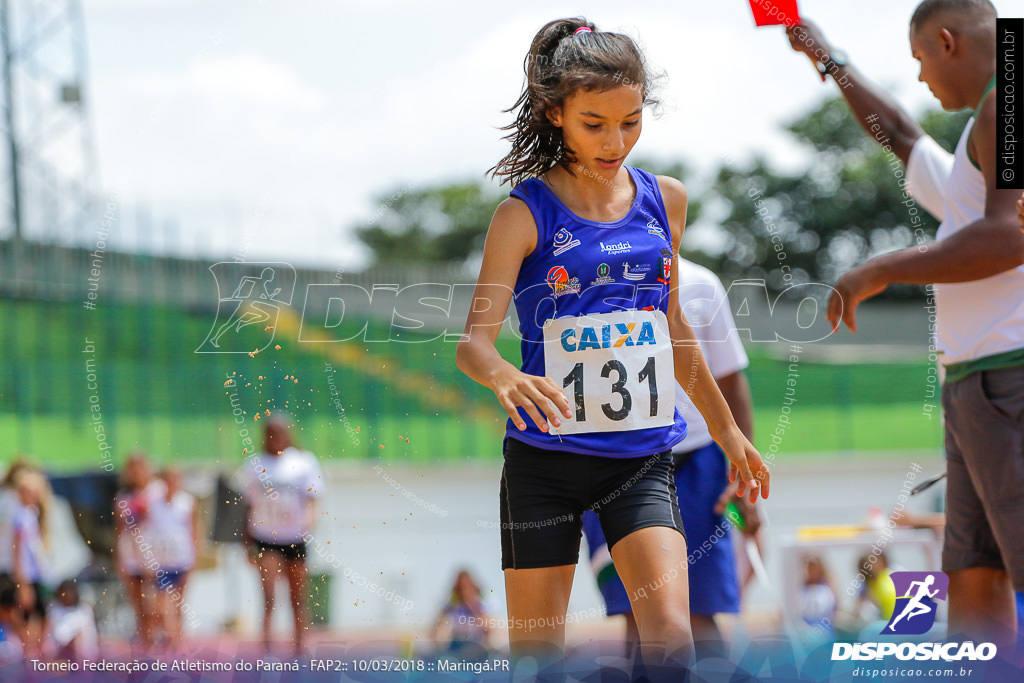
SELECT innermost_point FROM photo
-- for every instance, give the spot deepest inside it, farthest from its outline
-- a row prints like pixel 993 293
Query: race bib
pixel 615 369
pixel 169 551
pixel 277 515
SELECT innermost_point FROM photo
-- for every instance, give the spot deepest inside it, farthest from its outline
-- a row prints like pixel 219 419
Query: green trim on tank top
pixel 988 89
pixel 997 361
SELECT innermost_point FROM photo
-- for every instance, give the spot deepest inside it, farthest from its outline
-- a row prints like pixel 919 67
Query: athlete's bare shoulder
pixel 672 190
pixel 673 193
pixel 513 229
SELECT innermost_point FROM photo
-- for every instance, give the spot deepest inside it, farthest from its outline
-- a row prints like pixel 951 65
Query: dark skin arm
pixel 986 247
pixel 864 98
pixel 736 391
pixel 1020 211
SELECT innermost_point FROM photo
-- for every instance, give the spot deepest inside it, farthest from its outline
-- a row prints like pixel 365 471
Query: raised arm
pixel 692 371
pixel 511 237
pixel 988 246
pixel 870 104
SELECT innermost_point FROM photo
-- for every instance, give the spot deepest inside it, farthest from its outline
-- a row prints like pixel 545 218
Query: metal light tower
pixel 47 167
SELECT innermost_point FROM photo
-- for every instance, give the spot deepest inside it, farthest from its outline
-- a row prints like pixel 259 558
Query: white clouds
pixel 218 125
pixel 252 79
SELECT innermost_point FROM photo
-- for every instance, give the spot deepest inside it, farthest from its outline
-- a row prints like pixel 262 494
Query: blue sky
pixel 269 127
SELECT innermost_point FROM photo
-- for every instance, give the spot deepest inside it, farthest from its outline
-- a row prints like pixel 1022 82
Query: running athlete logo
pixel 563 241
pixel 914 613
pixel 560 282
pixel 258 290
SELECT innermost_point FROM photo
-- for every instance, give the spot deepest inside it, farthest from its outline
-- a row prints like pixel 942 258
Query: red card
pixel 775 12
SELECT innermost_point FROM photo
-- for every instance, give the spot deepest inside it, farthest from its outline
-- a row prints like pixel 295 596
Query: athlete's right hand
pixel 806 37
pixel 534 394
pixel 747 466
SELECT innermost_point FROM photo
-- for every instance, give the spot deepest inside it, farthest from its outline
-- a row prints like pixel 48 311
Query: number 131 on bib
pixel 615 369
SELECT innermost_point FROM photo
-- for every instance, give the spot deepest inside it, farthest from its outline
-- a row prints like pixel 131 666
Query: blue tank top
pixel 587 268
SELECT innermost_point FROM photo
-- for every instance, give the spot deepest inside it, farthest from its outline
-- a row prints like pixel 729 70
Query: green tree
pixel 444 224
pixel 447 224
pixel 675 169
pixel 845 207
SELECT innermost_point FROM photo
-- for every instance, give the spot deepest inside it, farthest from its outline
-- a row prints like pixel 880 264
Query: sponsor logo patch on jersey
pixel 563 241
pixel 611 336
pixel 655 229
pixel 666 266
pixel 623 247
pixel 635 272
pixel 603 275
pixel 560 283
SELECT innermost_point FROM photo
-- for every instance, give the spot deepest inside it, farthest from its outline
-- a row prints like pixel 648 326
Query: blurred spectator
pixel 280 487
pixel 818 601
pixel 72 632
pixel 31 533
pixel 463 621
pixel 139 490
pixel 173 523
pixel 10 624
pixel 877 589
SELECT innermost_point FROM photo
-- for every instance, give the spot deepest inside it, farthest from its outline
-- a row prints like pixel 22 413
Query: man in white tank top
pixel 976 268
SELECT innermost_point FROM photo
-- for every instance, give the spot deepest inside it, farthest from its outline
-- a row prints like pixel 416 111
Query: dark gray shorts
pixel 985 465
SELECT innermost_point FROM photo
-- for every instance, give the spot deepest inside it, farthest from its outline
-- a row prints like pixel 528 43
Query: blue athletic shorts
pixel 171 579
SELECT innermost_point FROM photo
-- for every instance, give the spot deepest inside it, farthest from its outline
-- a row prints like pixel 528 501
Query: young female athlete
pixel 280 487
pixel 132 527
pixel 588 247
pixel 174 523
pixel 29 547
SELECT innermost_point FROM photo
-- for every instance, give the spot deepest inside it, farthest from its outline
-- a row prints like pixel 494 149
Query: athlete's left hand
pixel 747 468
pixel 863 282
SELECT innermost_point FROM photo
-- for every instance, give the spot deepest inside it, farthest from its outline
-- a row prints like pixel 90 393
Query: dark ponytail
pixel 561 62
